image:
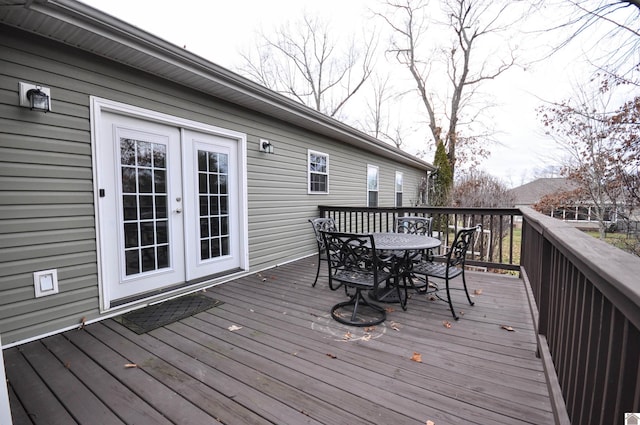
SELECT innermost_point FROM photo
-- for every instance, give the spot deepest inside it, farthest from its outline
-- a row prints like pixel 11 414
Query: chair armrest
pixel 429 256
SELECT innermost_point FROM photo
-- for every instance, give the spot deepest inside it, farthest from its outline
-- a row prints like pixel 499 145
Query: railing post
pixel 545 275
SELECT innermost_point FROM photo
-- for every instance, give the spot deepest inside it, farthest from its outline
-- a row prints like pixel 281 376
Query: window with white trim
pixel 399 180
pixel 318 172
pixel 372 185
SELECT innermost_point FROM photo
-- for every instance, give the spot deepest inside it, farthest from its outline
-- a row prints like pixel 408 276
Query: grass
pixel 630 244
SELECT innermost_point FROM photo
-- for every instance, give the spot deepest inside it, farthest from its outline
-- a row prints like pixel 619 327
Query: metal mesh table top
pixel 404 241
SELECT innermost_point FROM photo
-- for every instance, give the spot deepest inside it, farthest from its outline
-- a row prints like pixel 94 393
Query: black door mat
pixel 155 316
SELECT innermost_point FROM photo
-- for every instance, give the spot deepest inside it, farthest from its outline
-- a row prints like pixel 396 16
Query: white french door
pixel 169 206
pixel 211 204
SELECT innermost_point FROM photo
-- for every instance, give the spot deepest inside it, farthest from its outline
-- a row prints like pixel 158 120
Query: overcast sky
pixel 219 31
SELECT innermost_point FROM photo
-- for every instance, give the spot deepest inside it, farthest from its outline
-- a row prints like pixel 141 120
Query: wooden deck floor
pixel 289 363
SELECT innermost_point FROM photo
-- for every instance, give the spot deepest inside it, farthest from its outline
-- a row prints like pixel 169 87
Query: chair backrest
pixel 322 225
pixel 350 252
pixel 416 225
pixel 458 252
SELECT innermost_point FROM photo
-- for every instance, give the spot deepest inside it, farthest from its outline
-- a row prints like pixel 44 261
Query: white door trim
pixel 100 105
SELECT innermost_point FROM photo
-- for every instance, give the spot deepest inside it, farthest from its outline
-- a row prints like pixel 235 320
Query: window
pixel 372 186
pixel 318 172
pixel 398 188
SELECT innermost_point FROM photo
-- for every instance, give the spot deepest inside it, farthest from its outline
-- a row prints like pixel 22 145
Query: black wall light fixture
pixel 35 97
pixel 38 99
pixel 265 146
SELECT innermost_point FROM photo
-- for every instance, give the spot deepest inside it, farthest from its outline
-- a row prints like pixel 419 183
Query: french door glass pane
pixel 144 203
pixel 213 175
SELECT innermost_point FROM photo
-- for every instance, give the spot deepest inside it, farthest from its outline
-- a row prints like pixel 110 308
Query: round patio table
pixel 404 241
pixel 402 245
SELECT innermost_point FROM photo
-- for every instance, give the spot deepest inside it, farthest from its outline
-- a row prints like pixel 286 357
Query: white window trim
pixel 395 188
pixel 369 167
pixel 326 155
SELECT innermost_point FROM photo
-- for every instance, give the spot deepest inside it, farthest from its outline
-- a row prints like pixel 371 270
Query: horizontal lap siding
pixel 46 189
pixel 46 201
pixel 280 207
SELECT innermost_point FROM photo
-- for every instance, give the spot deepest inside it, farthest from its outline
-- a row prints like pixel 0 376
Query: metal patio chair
pixel 322 225
pixel 419 226
pixel 354 262
pixel 448 267
pixel 415 225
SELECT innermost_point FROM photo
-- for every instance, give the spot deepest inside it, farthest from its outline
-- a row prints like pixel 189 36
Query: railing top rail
pixel 614 272
pixel 460 210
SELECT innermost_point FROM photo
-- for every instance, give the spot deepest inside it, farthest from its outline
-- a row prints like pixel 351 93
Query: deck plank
pixel 377 358
pixel 165 399
pixel 365 371
pixel 168 363
pixel 290 363
pixel 33 394
pixel 128 405
pixel 82 404
pixel 397 350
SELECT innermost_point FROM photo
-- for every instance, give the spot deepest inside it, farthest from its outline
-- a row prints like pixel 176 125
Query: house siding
pixel 47 216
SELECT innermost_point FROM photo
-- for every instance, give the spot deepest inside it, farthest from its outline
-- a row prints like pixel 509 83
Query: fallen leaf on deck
pixel 83 322
pixel 67 365
pixel 333 356
pixel 347 336
pixel 366 337
pixel 389 309
pixel 233 328
pixel 431 298
pixel 446 324
pixel 417 357
pixel 130 365
pixel 370 329
pixel 508 328
pixel 430 423
pixel 394 326
pixel 477 292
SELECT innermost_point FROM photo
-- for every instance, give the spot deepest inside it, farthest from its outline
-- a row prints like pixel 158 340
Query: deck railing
pixel 497 246
pixel 585 298
pixel 588 301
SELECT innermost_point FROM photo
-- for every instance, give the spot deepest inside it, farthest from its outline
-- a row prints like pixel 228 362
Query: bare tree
pixel 377 114
pixel 477 189
pixel 596 23
pixel 448 75
pixel 302 60
pixel 582 126
pixel 383 117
